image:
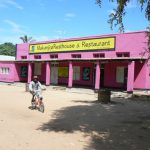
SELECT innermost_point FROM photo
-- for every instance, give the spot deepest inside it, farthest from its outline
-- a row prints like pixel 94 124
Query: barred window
pixel 4 70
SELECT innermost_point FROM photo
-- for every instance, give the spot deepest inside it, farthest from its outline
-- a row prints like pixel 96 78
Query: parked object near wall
pixel 104 96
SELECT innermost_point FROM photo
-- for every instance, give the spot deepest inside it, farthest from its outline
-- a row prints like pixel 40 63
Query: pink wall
pixel 147 64
pixel 22 50
pixel 110 74
pixel 10 76
pixel 81 81
pixel 140 75
pixel 18 72
pixel 134 43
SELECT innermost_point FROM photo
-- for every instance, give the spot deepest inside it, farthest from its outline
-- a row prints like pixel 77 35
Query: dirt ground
pixel 72 121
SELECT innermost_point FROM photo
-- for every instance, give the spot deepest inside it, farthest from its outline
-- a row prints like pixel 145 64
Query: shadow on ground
pixel 120 125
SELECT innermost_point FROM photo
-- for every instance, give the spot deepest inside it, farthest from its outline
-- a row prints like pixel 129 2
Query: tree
pixel 7 49
pixel 116 17
pixel 26 39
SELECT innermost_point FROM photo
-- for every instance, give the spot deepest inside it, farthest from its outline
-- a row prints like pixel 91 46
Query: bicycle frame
pixel 38 104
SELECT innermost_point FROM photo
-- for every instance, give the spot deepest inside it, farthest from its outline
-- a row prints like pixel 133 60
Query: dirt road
pixel 72 121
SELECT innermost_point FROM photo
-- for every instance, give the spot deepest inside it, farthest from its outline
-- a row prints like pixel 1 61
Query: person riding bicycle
pixel 35 89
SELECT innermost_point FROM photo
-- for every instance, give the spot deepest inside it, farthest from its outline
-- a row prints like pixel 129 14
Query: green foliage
pixel 116 17
pixel 26 39
pixel 7 49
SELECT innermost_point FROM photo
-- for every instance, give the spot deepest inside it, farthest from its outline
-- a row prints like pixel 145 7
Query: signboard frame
pixel 82 45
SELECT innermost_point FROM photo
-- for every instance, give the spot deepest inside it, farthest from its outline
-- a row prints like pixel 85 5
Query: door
pixel 121 76
pixel 54 75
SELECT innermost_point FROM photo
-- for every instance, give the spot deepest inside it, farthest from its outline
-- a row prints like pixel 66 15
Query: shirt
pixel 35 86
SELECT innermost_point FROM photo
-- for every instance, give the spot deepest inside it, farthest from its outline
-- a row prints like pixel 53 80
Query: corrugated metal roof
pixel 4 57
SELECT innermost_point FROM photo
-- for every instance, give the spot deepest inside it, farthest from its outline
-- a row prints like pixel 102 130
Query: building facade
pixel 107 61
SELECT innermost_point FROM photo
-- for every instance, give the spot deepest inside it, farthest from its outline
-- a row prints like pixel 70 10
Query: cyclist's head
pixel 35 78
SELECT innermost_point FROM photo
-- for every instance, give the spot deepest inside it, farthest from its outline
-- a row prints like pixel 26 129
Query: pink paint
pixel 29 72
pixel 147 71
pixel 110 74
pixel 11 75
pixel 70 74
pixel 48 73
pixel 97 80
pixel 130 82
pixel 17 71
pixel 132 43
pixel 139 77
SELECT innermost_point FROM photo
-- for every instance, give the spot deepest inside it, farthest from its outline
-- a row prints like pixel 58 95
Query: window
pixel 99 55
pixel 54 56
pixel 4 70
pixel 76 73
pixel 37 69
pixel 23 57
pixel 24 71
pixel 37 56
pixel 86 73
pixel 124 54
pixel 76 55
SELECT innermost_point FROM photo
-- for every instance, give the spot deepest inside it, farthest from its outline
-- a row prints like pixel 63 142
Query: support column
pixel 48 73
pixel 130 82
pixel 70 75
pixel 29 72
pixel 97 78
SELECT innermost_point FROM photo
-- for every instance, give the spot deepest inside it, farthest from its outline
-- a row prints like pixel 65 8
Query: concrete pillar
pixel 48 73
pixel 97 78
pixel 70 74
pixel 146 65
pixel 130 82
pixel 29 72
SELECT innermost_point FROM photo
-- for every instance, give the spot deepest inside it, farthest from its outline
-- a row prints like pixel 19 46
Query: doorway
pixel 121 76
pixel 54 75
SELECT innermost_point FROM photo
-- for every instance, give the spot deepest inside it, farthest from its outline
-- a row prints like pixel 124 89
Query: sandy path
pixel 19 125
pixel 71 121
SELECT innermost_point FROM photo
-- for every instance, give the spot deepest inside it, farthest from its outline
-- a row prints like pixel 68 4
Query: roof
pixel 88 59
pixel 84 37
pixel 6 58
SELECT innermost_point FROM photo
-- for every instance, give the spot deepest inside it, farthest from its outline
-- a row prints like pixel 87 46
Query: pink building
pixel 107 61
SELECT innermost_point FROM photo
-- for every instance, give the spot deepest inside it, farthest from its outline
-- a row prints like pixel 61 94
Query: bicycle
pixel 37 103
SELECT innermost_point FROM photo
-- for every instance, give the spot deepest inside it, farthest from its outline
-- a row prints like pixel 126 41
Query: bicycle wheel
pixel 33 105
pixel 33 102
pixel 41 108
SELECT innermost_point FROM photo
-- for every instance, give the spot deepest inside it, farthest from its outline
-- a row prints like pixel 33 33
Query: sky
pixel 60 19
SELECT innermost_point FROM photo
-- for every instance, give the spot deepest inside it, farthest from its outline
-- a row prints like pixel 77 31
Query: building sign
pixel 24 71
pixel 86 73
pixel 76 45
pixel 63 72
